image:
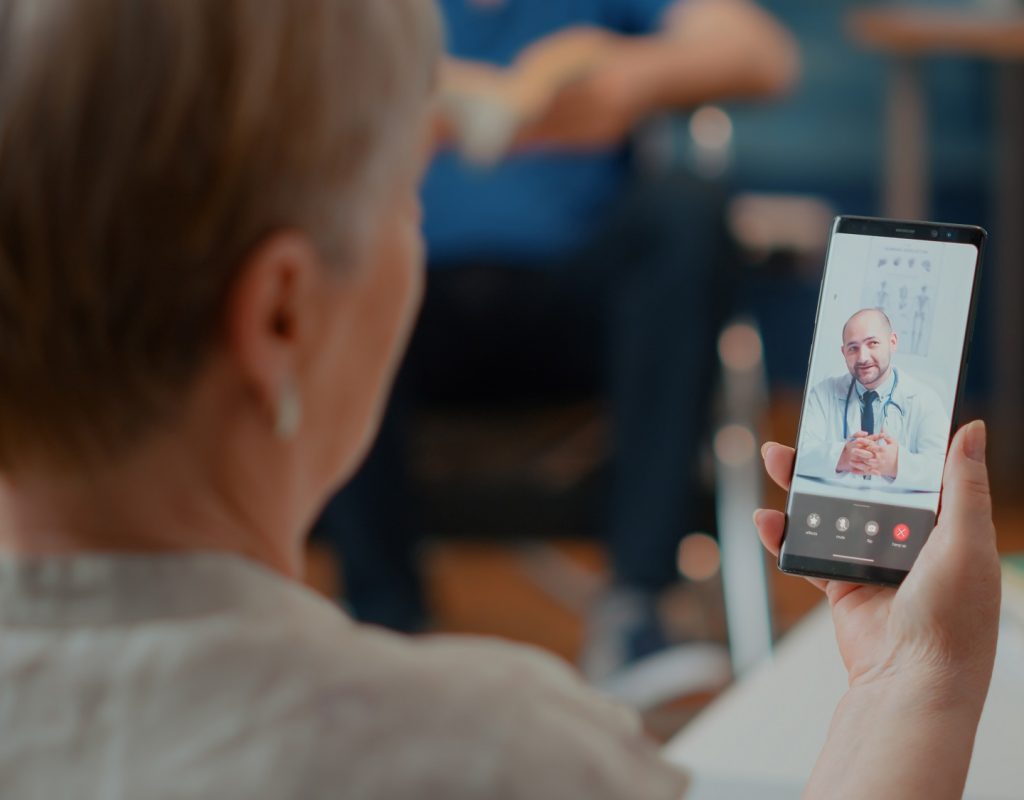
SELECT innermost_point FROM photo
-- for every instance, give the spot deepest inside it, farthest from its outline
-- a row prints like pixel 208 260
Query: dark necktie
pixel 867 412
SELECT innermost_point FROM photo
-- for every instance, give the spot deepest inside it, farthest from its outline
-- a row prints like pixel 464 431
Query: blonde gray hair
pixel 146 146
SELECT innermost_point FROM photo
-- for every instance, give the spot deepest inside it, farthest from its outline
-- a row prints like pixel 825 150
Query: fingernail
pixel 974 441
pixel 764 448
pixel 757 515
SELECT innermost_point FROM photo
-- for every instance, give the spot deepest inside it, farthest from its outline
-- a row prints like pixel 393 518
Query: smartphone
pixel 885 376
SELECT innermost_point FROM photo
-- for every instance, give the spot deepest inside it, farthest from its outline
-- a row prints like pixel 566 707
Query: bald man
pixel 876 426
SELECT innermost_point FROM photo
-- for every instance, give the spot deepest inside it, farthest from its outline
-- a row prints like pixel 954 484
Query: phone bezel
pixel 896 229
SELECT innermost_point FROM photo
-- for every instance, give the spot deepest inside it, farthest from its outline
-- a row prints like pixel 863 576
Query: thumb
pixel 966 501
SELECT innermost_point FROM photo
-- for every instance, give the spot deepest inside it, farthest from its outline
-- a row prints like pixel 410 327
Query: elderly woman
pixel 209 264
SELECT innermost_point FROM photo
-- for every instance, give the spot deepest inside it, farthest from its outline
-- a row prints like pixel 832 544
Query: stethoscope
pixel 885 406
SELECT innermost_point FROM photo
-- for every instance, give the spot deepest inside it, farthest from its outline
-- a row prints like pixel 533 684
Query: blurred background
pixel 506 498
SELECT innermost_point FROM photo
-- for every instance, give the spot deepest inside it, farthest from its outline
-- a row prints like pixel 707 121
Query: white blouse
pixel 207 675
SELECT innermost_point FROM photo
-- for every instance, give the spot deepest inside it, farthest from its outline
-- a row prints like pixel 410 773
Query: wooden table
pixel 907 36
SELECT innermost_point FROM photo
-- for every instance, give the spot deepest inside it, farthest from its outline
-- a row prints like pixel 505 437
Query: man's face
pixel 868 345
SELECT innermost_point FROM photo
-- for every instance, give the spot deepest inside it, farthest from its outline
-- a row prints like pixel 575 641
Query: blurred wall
pixel 828 139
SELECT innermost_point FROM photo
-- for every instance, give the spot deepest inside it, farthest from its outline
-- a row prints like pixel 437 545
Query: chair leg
pixel 739 488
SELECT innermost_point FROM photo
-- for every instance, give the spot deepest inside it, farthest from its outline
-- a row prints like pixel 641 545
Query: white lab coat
pixel 922 432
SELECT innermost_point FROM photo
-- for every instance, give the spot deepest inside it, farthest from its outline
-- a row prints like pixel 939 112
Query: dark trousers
pixel 632 318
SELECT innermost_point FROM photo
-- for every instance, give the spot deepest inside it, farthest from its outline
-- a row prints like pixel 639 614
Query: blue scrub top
pixel 532 208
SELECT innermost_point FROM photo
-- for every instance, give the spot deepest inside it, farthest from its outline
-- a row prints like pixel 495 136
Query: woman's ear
pixel 267 318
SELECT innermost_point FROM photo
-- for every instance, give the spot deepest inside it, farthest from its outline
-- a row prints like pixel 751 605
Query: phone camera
pixel 949 234
pixel 935 234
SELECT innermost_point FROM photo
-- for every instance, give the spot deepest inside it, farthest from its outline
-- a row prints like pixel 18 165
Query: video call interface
pixel 878 407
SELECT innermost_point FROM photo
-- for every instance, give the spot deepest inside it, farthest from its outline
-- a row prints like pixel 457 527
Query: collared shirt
pixel 207 675
pixel 882 393
pixel 916 419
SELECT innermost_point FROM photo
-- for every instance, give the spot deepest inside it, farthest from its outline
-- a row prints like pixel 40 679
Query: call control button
pixel 871 528
pixel 813 520
pixel 901 532
pixel 842 524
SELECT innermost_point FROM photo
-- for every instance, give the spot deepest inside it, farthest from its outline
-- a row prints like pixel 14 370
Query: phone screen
pixel 884 378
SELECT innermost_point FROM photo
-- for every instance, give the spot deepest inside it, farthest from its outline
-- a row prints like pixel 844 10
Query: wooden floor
pixel 538 595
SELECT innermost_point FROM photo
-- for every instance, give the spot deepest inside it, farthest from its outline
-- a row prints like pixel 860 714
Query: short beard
pixel 883 373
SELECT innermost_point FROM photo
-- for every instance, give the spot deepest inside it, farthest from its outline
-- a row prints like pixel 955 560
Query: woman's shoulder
pixel 222 673
pixel 474 716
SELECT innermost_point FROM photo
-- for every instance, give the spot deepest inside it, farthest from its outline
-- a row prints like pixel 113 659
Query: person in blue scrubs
pixel 557 272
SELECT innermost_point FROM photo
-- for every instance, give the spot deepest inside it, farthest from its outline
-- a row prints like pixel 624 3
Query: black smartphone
pixel 885 376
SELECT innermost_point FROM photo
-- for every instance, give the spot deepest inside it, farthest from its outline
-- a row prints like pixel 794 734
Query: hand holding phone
pixel 885 375
pixel 919 658
pixel 945 613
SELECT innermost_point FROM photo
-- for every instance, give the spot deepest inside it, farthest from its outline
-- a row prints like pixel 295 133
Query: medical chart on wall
pixel 904 282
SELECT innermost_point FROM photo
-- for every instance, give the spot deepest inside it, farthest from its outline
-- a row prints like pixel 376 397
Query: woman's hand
pixel 940 626
pixel 919 657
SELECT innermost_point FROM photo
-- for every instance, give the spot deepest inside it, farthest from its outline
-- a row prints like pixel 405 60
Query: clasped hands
pixel 573 89
pixel 870 454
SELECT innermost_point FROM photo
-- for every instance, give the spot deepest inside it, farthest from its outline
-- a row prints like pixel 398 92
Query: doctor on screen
pixel 876 427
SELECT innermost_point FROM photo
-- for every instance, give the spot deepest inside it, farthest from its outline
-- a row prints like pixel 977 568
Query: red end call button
pixel 901 532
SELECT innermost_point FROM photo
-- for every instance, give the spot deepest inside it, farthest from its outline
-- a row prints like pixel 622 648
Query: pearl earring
pixel 289 412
